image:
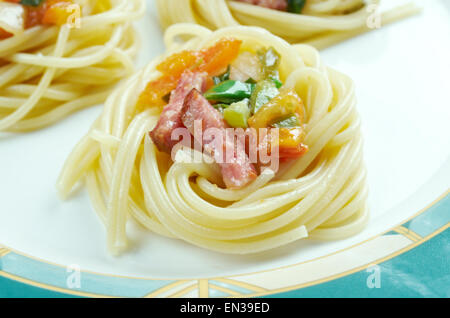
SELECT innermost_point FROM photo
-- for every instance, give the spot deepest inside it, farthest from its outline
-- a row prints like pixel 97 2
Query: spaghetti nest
pixel 319 19
pixel 321 195
pixel 48 72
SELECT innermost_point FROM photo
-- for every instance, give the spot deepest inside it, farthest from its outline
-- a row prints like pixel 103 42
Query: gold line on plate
pixel 355 270
pixel 184 291
pixel 413 236
pixel 203 288
pixel 441 197
pixel 165 288
pixel 241 284
pixel 225 290
pixel 51 288
pixel 4 252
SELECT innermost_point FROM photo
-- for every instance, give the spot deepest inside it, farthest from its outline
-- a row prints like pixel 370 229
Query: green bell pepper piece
pixel 230 92
pixel 289 122
pixel 277 82
pixel 270 60
pixel 237 114
pixel 264 91
pixel 296 6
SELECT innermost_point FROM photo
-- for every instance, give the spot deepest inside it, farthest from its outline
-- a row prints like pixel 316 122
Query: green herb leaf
pixel 296 6
pixel 270 60
pixel 264 91
pixel 289 122
pixel 229 92
pixel 224 77
pixel 277 82
pixel 32 3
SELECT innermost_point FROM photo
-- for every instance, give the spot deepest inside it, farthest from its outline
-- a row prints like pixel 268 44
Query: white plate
pixel 401 73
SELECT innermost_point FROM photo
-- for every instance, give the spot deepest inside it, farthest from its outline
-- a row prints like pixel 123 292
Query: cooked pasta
pixel 321 23
pixel 50 68
pixel 321 194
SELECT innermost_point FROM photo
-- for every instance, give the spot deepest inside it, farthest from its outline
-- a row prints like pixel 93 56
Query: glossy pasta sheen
pixel 322 195
pixel 47 73
pixel 317 16
pixel 321 24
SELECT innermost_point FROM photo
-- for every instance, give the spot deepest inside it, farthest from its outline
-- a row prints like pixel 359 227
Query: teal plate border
pixel 418 268
pixel 421 272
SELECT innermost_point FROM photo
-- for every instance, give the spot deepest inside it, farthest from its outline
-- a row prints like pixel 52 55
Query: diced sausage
pixel 271 4
pixel 170 118
pixel 237 171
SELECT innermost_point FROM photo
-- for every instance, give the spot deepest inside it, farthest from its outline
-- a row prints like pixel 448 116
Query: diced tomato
pixel 57 12
pixel 271 4
pixel 291 137
pixel 212 60
pixel 293 153
pixel 291 143
pixel 4 34
pixel 285 104
pixel 177 63
pixel 171 69
pixel 33 15
pixel 288 142
pixel 156 90
pixel 49 12
pixel 218 57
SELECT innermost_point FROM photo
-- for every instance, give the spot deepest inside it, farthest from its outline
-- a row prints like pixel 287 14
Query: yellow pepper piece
pixel 285 104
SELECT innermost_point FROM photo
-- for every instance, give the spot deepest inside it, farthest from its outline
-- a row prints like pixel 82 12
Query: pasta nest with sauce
pixel 239 77
pixel 60 56
pixel 295 21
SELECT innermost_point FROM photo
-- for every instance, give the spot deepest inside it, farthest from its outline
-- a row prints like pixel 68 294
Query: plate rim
pixel 252 291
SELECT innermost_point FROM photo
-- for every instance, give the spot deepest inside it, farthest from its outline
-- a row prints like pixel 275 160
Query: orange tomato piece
pixel 291 137
pixel 155 91
pixel 177 63
pixel 34 15
pixel 288 142
pixel 291 143
pixel 4 34
pixel 57 12
pixel 285 104
pixel 217 57
pixel 293 152
pixel 49 12
pixel 212 60
pixel 171 68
